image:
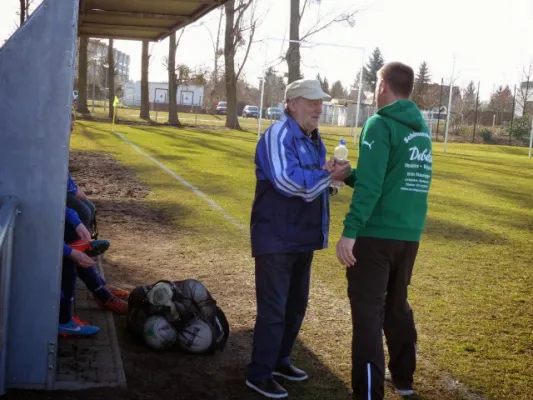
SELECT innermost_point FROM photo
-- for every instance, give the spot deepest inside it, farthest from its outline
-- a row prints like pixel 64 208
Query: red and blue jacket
pixel 71 217
pixel 290 212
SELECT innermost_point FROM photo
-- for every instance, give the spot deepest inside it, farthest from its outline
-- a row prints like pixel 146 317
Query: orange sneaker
pixel 114 304
pixel 79 321
pixel 120 293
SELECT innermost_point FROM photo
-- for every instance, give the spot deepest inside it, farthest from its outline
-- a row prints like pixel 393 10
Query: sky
pixel 490 39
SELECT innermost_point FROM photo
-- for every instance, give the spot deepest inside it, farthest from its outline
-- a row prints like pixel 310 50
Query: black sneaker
pixel 408 394
pixel 97 248
pixel 291 373
pixel 268 388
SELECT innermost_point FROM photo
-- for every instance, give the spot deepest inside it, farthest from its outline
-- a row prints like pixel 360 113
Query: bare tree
pixel 501 102
pixel 145 101
pixel 24 10
pixel 170 63
pixel 525 92
pixel 323 22
pixel 213 84
pixel 81 102
pixel 237 27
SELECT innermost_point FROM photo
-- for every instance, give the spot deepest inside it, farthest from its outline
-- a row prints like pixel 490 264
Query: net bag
pixel 187 305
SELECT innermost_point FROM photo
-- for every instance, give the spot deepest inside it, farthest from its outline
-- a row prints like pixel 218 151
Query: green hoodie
pixel 393 175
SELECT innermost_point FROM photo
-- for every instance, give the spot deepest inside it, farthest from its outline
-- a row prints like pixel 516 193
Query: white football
pixel 196 336
pixel 158 333
pixel 196 290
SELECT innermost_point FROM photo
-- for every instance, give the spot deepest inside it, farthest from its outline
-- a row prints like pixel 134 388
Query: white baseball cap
pixel 307 88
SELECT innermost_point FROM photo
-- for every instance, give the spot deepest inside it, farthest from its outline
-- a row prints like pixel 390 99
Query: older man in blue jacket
pixel 289 221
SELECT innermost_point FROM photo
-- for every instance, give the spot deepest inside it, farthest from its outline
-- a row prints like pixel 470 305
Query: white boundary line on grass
pixel 196 191
pixel 452 384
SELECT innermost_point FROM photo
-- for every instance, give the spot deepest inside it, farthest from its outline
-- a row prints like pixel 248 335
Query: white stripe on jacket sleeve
pixel 278 162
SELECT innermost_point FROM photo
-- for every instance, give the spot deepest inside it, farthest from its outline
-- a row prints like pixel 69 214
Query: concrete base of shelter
pixel 86 363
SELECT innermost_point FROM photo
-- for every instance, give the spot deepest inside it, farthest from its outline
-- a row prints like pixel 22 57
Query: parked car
pixel 274 113
pixel 250 112
pixel 221 107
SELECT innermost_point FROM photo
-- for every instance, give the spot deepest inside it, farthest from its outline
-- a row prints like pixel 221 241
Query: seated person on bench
pixel 79 240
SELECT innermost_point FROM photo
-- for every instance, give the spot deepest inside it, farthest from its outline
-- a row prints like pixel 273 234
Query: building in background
pixel 97 68
pixel 343 112
pixel 187 97
pixel 98 65
pixel 97 52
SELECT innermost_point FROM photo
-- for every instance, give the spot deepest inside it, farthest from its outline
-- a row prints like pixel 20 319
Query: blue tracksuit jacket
pixel 290 212
pixel 71 217
pixel 71 185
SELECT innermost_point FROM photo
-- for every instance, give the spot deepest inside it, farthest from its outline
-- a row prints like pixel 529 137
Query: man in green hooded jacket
pixel 381 235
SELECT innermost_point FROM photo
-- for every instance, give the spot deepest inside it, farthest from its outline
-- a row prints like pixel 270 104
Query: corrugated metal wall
pixel 36 83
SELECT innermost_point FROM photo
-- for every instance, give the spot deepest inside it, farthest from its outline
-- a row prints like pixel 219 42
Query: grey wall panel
pixel 36 83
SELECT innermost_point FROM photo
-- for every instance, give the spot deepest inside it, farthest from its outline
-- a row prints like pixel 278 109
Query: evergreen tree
pixel 421 84
pixel 325 85
pixel 338 91
pixel 370 73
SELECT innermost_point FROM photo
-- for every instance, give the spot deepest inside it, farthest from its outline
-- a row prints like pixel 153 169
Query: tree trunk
pixel 172 82
pixel 81 103
pixel 212 95
pixel 293 53
pixel 23 11
pixel 229 58
pixel 110 76
pixel 526 97
pixel 145 102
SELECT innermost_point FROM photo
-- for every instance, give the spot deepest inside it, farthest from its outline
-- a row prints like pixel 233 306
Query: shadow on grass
pixel 486 162
pixel 219 134
pixel 493 188
pixel 195 142
pixel 484 171
pixel 521 220
pixel 447 230
pixel 136 213
pixel 210 182
pixel 231 151
pixel 181 376
pixel 220 376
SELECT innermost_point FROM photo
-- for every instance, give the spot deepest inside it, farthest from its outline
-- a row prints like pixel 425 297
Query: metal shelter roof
pixel 151 20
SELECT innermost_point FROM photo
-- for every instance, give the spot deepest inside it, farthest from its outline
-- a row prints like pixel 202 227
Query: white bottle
pixel 341 153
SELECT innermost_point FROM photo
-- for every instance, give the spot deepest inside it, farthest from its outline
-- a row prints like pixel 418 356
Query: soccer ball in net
pixel 196 336
pixel 158 333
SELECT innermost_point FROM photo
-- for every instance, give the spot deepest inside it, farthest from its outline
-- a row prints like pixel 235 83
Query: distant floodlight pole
pixel 262 93
pixel 531 139
pixel 359 98
pixel 316 44
pixel 448 112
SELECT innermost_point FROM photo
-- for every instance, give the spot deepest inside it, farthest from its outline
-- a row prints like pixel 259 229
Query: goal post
pixel 266 65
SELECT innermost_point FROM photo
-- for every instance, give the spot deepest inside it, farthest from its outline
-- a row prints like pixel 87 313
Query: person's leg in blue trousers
pixel 89 276
pixel 296 306
pixel 68 287
pixel 94 282
pixel 282 292
pixel 85 209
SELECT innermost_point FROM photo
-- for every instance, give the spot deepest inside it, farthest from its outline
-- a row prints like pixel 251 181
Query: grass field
pixel 472 290
pixel 205 120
